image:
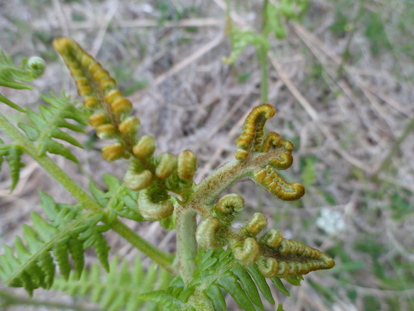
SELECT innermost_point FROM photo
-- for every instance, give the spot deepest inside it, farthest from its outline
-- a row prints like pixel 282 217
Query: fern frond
pixel 45 125
pixel 12 76
pixel 13 157
pixel 31 265
pixel 217 273
pixel 119 288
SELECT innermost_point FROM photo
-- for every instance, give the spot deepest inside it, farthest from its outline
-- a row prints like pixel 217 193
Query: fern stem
pixel 161 258
pixel 186 242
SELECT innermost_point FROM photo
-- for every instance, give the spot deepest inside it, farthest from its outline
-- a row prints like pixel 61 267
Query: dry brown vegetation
pixel 342 84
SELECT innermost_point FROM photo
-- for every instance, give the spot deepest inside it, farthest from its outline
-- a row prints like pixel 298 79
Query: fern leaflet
pixel 13 157
pixel 119 288
pixel 31 265
pixel 46 125
pixel 218 273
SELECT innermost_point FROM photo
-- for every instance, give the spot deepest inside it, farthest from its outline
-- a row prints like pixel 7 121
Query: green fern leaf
pixel 45 126
pixel 105 289
pixel 279 285
pixel 216 296
pixel 230 284
pixel 13 159
pixel 10 74
pixel 248 285
pixel 13 156
pixel 31 264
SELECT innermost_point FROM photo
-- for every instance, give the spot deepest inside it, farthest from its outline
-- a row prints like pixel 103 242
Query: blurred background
pixel 342 82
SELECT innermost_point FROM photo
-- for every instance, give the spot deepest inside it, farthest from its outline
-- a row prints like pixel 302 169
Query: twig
pixel 315 117
pixel 184 63
pixel 9 299
pixel 62 19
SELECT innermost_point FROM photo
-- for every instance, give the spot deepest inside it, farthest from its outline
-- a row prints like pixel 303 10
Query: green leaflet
pixel 118 289
pixel 218 273
pixel 31 265
pixel 13 156
pixel 45 126
pixel 10 75
pixel 279 285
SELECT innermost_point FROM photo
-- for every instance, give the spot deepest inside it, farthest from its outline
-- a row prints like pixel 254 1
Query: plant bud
pixel 121 105
pixel 129 126
pixel 166 165
pixel 187 165
pixel 112 96
pixel 145 147
pixel 206 233
pixel 230 203
pixel 91 102
pixel 138 181
pixel 247 253
pixel 153 211
pixel 97 119
pixel 268 267
pixel 106 131
pixel 272 238
pixel 107 84
pixel 256 224
pixel 113 152
pixel 37 65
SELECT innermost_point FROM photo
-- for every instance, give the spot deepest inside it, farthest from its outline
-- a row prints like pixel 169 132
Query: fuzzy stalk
pixel 186 242
pixel 161 258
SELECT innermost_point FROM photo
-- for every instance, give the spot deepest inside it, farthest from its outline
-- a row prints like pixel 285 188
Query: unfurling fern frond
pixel 217 274
pixel 45 126
pixel 119 288
pixel 12 76
pixel 13 155
pixel 31 265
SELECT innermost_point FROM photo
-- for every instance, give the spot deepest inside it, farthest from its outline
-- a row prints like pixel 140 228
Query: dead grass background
pixel 343 127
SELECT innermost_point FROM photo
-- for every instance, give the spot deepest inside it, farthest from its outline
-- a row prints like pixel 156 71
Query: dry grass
pixel 344 126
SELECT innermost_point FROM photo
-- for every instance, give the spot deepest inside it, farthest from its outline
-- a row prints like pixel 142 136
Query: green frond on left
pixel 30 264
pixel 45 126
pixel 13 155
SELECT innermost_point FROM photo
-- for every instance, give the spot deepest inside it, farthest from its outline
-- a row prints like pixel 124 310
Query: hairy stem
pixel 186 242
pixel 161 258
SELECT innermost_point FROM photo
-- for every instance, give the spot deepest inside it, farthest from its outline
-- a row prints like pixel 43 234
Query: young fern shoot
pixel 160 187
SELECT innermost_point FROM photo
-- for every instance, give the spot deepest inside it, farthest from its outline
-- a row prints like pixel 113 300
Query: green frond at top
pixel 12 76
pixel 46 125
pixel 29 69
pixel 30 264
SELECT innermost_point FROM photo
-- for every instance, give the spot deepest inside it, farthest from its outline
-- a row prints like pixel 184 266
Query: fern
pixel 13 155
pixel 218 273
pixel 46 125
pixel 119 288
pixel 10 75
pixel 31 265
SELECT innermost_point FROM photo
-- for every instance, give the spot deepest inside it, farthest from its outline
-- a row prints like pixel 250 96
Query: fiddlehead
pixel 111 117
